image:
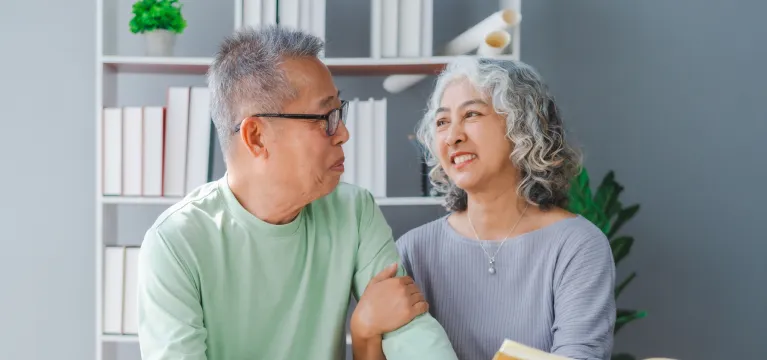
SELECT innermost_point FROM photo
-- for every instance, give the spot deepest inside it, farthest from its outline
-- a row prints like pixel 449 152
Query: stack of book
pixel 120 313
pixel 158 150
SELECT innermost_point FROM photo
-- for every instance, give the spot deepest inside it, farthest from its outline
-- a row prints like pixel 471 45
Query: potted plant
pixel 159 21
pixel 605 211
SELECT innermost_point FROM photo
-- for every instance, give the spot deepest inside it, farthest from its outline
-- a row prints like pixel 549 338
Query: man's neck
pixel 494 211
pixel 274 206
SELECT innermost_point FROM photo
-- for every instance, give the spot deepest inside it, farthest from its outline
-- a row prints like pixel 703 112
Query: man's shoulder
pixel 347 199
pixel 197 209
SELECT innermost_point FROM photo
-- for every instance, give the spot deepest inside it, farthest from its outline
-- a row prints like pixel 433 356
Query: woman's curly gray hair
pixel 545 160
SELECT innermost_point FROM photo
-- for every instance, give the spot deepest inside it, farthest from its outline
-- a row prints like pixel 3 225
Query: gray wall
pixel 670 95
pixel 657 90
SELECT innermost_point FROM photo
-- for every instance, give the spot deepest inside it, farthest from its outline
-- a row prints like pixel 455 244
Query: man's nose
pixel 342 135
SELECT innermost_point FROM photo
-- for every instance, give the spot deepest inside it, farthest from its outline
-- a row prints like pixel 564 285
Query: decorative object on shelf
pixel 494 44
pixel 159 21
pixel 607 213
pixel 466 42
pixel 259 12
pixel 365 152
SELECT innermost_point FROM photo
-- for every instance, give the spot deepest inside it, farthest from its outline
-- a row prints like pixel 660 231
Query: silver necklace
pixel 490 258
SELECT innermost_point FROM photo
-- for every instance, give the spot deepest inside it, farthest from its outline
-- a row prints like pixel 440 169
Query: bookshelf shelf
pixel 119 338
pixel 387 201
pixel 357 66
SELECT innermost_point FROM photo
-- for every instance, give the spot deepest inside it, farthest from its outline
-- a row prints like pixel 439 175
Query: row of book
pixel 307 15
pixel 365 152
pixel 401 28
pixel 158 150
pixel 120 290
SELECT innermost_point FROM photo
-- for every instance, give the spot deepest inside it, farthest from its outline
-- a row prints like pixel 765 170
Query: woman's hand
pixel 387 304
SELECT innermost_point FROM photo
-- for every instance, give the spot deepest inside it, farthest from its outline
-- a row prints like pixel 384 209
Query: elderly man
pixel 261 263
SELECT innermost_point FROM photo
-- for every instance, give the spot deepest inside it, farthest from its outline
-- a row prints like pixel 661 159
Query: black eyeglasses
pixel 332 118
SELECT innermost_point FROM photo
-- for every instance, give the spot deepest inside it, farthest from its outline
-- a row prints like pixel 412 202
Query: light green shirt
pixel 217 283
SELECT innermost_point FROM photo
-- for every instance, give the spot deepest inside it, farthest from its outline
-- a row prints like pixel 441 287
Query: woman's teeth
pixel 463 158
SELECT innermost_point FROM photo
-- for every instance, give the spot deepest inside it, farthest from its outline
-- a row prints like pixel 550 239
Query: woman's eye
pixel 441 122
pixel 472 114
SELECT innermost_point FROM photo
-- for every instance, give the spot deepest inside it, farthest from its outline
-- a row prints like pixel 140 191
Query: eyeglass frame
pixel 325 117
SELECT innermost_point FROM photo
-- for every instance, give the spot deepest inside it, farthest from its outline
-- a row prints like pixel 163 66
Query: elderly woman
pixel 508 261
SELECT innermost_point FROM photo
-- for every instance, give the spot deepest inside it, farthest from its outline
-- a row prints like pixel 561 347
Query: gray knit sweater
pixel 552 288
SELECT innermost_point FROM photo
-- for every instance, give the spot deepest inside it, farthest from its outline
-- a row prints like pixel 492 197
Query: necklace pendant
pixel 491 269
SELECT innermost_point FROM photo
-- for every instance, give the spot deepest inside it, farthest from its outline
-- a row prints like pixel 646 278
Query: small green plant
pixel 605 211
pixel 151 15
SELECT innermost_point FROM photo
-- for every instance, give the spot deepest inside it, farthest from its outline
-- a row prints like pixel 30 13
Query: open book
pixel 511 350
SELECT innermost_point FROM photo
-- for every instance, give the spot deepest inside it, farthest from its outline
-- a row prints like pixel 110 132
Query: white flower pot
pixel 160 42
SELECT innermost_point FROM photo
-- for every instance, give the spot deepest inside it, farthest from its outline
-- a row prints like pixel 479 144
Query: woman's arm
pixel 584 302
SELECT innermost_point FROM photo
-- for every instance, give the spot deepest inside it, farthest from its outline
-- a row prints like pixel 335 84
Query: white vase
pixel 160 42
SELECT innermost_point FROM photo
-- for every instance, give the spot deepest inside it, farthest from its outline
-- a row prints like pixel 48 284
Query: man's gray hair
pixel 245 76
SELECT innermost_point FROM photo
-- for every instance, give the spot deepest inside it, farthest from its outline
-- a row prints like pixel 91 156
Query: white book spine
pixel 305 15
pixel 198 145
pixel 365 144
pixel 269 12
pixel 130 292
pixel 154 134
pixel 318 13
pixel 132 150
pixel 112 151
pixel 376 9
pixel 379 139
pixel 389 24
pixel 409 31
pixel 251 10
pixel 114 275
pixel 427 27
pixel 350 147
pixel 289 13
pixel 177 125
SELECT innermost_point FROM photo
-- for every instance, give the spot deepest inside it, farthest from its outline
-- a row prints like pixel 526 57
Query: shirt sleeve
pixel 423 338
pixel 584 302
pixel 169 310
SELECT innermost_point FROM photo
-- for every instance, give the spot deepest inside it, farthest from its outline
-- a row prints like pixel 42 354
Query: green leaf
pixel 623 216
pixel 151 15
pixel 622 356
pixel 583 183
pixel 621 247
pixel 605 188
pixel 624 283
pixel 625 316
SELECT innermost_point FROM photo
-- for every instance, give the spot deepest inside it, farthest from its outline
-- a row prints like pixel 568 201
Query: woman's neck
pixel 494 213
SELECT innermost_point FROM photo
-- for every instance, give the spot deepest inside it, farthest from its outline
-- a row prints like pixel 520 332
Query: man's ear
pixel 252 131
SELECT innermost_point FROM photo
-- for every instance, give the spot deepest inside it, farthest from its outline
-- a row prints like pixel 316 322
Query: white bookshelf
pixel 113 68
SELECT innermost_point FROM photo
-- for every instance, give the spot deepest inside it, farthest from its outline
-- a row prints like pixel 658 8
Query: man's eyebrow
pixel 466 103
pixel 326 101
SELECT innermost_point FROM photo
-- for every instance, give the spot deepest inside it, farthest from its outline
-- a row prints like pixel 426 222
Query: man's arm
pixel 169 310
pixel 423 337
pixel 584 302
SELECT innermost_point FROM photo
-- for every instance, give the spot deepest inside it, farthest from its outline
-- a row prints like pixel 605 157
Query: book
pixel 512 350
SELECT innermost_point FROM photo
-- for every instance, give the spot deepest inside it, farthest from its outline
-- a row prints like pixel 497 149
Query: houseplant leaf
pixel 625 316
pixel 623 216
pixel 624 283
pixel 621 247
